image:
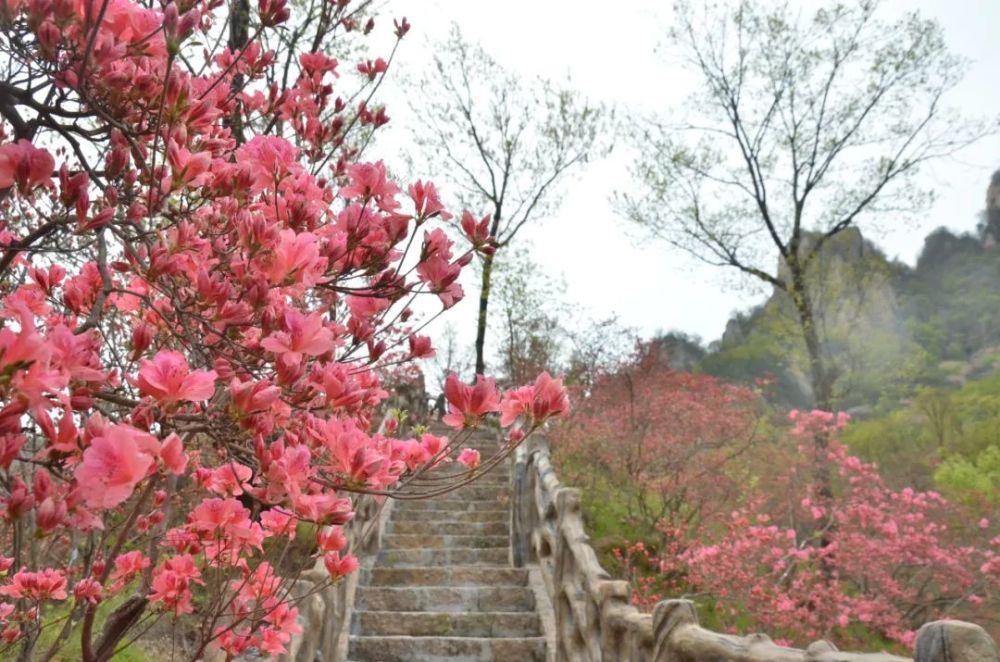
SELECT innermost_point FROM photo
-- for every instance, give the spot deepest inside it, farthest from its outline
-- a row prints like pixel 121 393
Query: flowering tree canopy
pixel 203 287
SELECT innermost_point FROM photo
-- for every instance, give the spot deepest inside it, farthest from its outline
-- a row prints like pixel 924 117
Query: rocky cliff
pixel 886 326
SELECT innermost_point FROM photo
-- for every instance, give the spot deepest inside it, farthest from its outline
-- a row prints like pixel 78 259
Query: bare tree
pixel 451 357
pixel 531 306
pixel 504 142
pixel 801 128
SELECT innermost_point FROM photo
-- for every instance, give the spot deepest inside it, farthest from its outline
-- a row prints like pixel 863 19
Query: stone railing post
pixel 954 641
pixel 520 534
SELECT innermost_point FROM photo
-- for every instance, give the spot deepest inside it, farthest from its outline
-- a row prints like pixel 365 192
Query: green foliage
pixel 770 348
pixel 975 484
pixel 943 438
pixel 71 651
pixel 951 299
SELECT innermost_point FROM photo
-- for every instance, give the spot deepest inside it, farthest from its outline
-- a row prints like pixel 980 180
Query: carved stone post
pixel 521 502
pixel 954 641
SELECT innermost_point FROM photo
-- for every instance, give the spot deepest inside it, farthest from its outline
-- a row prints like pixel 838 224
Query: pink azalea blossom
pixel 47 584
pixel 113 465
pixel 127 566
pixel 331 539
pixel 169 379
pixel 420 347
pixel 468 404
pixel 338 565
pixel 26 165
pixel 469 457
pixel 297 257
pixel 304 335
pixel 368 180
pixel 426 201
pixel 477 232
pixel 172 581
pixel 173 455
pixel 544 399
pixel 88 590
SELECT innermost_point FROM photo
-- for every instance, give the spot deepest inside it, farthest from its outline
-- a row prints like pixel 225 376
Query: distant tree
pixel 449 357
pixel 598 348
pixel 939 413
pixel 530 336
pixel 800 129
pixel 506 144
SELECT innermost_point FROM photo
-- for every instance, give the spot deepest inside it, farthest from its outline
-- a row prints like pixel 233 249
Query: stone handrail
pixel 595 621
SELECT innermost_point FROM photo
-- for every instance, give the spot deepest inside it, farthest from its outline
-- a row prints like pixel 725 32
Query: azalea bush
pixel 690 489
pixel 872 563
pixel 664 441
pixel 204 286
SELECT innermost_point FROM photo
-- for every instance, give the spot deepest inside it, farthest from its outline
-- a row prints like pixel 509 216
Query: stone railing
pixel 595 621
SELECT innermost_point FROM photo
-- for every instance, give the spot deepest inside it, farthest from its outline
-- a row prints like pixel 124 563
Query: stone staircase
pixel 442 587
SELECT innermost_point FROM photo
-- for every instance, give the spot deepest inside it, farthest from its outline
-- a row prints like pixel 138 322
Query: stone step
pixel 438 541
pixel 494 477
pixel 467 505
pixel 437 515
pixel 447 624
pixel 450 526
pixel 445 576
pixel 405 558
pixel 452 649
pixel 469 492
pixel 445 598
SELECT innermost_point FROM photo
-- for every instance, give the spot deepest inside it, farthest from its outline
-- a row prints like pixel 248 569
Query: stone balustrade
pixel 595 621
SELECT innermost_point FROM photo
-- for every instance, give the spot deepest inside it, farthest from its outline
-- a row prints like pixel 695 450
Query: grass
pixel 71 649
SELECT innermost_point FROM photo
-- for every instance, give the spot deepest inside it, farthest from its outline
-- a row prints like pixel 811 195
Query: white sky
pixel 609 51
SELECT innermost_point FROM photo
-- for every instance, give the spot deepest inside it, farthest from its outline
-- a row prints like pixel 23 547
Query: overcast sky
pixel 612 56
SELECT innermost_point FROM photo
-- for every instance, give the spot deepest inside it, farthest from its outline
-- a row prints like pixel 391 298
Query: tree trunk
pixel 822 386
pixel 484 300
pixel 819 378
pixel 239 37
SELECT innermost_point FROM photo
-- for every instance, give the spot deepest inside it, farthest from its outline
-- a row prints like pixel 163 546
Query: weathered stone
pixel 497 528
pixel 452 576
pixel 448 624
pixel 445 598
pixel 454 649
pixel 423 557
pixel 440 503
pixel 438 541
pixel 954 641
pixel 437 515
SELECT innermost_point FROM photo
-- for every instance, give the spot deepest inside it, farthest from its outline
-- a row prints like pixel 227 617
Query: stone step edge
pixel 419 638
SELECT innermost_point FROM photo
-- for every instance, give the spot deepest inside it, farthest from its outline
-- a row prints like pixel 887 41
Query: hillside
pixel 889 328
